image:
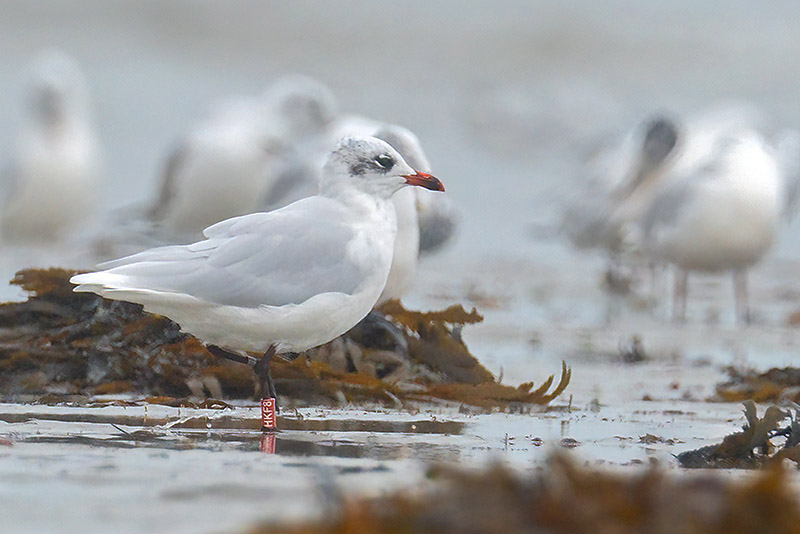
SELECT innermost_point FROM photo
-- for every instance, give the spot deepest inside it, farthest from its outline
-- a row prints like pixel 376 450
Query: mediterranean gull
pixel 302 179
pixel 51 185
pixel 283 281
pixel 434 215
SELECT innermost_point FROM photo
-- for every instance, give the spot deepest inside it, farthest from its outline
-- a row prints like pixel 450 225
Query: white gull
pixel 217 171
pixel 302 179
pixel 52 184
pixel 721 216
pixel 283 281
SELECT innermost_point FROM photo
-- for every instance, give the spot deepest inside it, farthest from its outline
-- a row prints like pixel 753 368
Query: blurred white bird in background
pixel 721 216
pixel 246 150
pixel 786 143
pixel 301 113
pixel 218 171
pixel 598 215
pixel 611 212
pixel 51 187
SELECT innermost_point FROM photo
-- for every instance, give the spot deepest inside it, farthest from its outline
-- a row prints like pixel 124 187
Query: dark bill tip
pixel 425 180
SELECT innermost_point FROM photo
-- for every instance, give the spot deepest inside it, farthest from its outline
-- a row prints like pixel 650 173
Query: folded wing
pixel 276 258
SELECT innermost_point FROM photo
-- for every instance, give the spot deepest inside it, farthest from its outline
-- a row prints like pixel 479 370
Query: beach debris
pixel 754 446
pixel 633 351
pixel 59 343
pixel 566 498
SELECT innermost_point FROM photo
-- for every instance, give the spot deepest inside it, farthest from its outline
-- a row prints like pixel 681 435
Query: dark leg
pixel 260 367
pixel 740 296
pixel 679 296
pixel 219 352
pixel 265 383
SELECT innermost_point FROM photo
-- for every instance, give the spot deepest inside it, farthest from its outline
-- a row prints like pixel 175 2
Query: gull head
pixel 373 166
pixel 305 106
pixel 57 88
pixel 660 138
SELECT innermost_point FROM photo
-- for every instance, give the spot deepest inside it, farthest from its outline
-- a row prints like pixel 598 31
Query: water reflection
pixel 343 438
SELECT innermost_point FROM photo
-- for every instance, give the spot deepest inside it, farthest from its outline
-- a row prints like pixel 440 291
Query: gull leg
pixel 266 386
pixel 679 296
pixel 740 296
pixel 260 366
pixel 265 382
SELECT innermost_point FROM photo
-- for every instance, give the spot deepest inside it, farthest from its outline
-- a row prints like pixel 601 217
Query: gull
pixel 227 164
pixel 607 213
pixel 787 148
pixel 301 108
pixel 217 172
pixel 434 215
pixel 406 244
pixel 52 182
pixel 283 281
pixel 721 216
pixel 619 179
pixel 439 215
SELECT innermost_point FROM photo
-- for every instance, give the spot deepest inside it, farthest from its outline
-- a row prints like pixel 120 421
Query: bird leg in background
pixel 679 295
pixel 740 296
pixel 260 366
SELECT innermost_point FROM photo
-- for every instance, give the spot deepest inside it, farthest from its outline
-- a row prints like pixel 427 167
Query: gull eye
pixel 385 161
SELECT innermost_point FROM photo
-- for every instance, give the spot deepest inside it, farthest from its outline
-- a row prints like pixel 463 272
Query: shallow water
pixel 507 103
pixel 124 470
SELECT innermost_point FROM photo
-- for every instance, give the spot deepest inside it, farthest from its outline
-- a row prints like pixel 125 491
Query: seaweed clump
pixel 564 498
pixel 770 386
pixel 61 343
pixel 754 446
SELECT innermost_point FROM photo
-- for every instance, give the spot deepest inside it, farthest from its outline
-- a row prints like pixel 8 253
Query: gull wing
pixel 277 258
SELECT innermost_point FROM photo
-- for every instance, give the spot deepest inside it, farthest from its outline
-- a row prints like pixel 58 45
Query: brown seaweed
pixel 770 386
pixel 754 446
pixel 60 343
pixel 565 498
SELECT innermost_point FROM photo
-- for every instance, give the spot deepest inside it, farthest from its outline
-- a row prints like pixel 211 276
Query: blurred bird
pixel 721 216
pixel 283 281
pixel 228 163
pixel 52 184
pixel 217 172
pixel 607 212
pixel 787 148
pixel 316 125
pixel 436 216
pixel 299 174
pixel 619 181
pixel 302 109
